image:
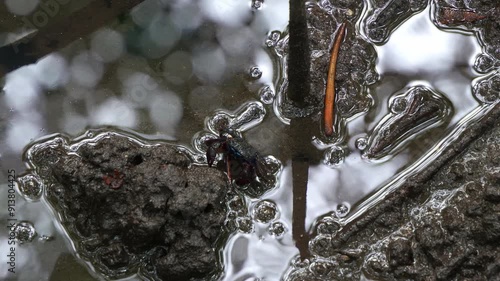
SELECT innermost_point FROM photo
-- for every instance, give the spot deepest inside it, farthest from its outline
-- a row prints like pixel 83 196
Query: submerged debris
pixel 452 16
pixel 132 206
pixel 478 16
pixel 412 113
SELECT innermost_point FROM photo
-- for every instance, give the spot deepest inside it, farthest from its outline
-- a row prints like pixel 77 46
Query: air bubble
pixel 485 93
pixel 371 77
pixel 334 156
pixel 342 210
pixel 265 211
pixel 322 245
pixel 45 238
pixel 255 72
pixel 273 165
pixel 361 144
pixel 375 262
pixel 200 141
pixel 24 232
pixel 321 268
pixel 257 4
pixel 483 63
pixel 201 159
pixel 495 82
pixel 266 95
pixel 398 105
pixel 326 5
pixel 298 262
pixel 245 224
pixel 30 187
pixel 219 122
pixel 237 205
pixel 248 116
pixel 327 226
pixel 277 229
pixel 273 38
pixel 230 225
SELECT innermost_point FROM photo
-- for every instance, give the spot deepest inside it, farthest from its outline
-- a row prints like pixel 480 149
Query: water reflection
pixel 21 8
pixel 419 48
pixel 114 111
pixel 195 59
pixel 86 69
pixel 108 44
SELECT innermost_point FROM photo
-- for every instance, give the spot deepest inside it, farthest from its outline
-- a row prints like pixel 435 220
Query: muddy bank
pixel 443 224
pixel 131 207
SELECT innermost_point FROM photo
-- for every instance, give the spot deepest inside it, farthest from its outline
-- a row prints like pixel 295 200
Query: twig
pixel 329 111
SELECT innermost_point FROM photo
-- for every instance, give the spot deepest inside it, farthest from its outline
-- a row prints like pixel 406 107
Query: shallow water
pixel 169 78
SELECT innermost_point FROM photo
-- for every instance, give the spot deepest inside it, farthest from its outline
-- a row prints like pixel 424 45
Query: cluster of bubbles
pixel 25 232
pixel 237 216
pixel 361 143
pixel 266 212
pixel 257 4
pixel 277 229
pixel 266 94
pixel 488 89
pixel 398 105
pixel 316 268
pixel 485 63
pixel 327 226
pixel 255 72
pixel 334 156
pixel 273 38
pixel 326 229
pixel 30 186
pixel 342 209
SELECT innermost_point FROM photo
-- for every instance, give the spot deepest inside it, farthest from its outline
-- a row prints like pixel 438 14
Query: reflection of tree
pixel 300 128
pixel 55 36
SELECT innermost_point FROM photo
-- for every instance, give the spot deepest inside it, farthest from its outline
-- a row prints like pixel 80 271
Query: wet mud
pixel 443 224
pixel 412 113
pixel 132 207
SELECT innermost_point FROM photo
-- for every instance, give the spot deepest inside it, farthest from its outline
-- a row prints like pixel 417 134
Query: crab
pixel 243 162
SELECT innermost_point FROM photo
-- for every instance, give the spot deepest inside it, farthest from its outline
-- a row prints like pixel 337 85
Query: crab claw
pixel 211 154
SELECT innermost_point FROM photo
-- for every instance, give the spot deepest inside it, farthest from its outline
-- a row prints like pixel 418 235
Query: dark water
pixel 172 74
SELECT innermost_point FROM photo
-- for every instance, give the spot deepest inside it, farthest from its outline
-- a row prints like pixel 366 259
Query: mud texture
pixel 130 207
pixel 386 15
pixel 355 66
pixel 479 16
pixel 442 224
